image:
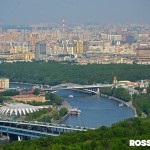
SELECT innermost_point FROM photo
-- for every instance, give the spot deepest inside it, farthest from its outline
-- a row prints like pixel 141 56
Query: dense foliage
pixel 54 73
pixel 5 95
pixel 36 91
pixel 2 98
pixel 111 138
pixel 51 99
pixel 47 115
pixel 120 93
pixel 142 103
pixel 63 112
pixel 9 93
pixel 39 115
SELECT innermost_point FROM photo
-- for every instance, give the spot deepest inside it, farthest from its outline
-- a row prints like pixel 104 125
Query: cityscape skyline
pixel 74 11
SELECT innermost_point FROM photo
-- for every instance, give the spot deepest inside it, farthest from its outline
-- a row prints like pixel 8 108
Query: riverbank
pixel 93 113
pixel 66 105
pixel 129 104
pixel 23 83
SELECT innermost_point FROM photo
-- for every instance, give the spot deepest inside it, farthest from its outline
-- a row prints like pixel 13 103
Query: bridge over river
pixel 34 129
pixel 94 88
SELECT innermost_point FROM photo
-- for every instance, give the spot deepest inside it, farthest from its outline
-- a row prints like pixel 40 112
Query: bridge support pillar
pixel 19 138
pixel 98 91
pixel 8 136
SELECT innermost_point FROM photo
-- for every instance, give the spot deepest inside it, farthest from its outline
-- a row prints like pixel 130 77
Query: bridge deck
pixel 37 129
pixel 63 87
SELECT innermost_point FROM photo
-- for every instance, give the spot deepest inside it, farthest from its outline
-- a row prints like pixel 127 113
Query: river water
pixel 96 111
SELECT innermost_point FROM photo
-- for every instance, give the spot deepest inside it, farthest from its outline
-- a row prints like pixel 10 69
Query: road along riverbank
pixel 66 105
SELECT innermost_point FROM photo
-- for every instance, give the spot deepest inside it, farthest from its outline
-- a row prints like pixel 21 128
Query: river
pixel 96 111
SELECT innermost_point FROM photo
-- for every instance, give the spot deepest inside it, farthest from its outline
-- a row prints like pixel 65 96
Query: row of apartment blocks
pixel 69 47
pixel 140 53
pixel 46 44
pixel 77 48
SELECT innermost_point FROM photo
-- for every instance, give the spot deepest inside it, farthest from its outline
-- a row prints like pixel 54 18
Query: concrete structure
pixel 19 109
pixel 34 129
pixel 40 50
pixel 24 56
pixel 143 53
pixel 78 49
pixel 130 39
pixel 33 40
pixel 81 40
pixel 87 88
pixel 18 56
pixel 4 83
pixel 115 37
pixel 70 48
pixel 21 49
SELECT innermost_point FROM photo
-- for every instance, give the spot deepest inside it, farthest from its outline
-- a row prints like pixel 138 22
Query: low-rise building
pixel 4 83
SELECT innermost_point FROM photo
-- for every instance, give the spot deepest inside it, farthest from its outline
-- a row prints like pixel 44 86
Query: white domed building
pixel 19 109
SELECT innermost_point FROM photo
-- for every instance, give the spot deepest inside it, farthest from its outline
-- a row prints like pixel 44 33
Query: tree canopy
pixel 110 138
pixel 54 73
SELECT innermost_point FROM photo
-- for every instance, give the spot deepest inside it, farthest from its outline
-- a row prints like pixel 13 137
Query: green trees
pixel 148 89
pixel 110 138
pixel 39 115
pixel 53 99
pixel 47 115
pixel 3 95
pixel 142 102
pixel 53 73
pixel 63 112
pixel 36 91
pixel 9 93
pixel 2 99
pixel 120 93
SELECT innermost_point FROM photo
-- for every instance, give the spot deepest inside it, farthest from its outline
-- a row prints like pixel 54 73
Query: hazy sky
pixel 74 11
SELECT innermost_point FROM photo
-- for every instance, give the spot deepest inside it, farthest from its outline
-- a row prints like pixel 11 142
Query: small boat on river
pixel 71 96
pixel 75 111
pixel 121 104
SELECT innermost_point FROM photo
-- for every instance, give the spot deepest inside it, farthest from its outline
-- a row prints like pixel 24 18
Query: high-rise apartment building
pixel 40 51
pixel 130 39
pixel 70 48
pixel 33 40
pixel 143 53
pixel 78 47
pixel 115 37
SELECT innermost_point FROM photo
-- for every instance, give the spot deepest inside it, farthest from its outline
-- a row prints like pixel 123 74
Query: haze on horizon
pixel 74 11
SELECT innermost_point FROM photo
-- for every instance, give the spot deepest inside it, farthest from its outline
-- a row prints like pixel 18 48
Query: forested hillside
pixel 105 138
pixel 55 72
